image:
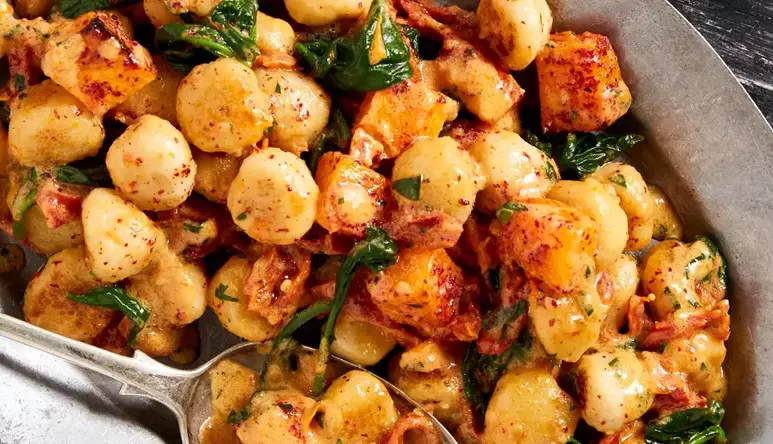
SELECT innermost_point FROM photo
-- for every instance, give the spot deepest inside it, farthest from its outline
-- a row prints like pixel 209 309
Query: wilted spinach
pixel 377 252
pixel 336 137
pixel 24 199
pixel 480 372
pixel 374 58
pixel 74 8
pixel 582 154
pixel 116 298
pixel 691 426
pixel 229 31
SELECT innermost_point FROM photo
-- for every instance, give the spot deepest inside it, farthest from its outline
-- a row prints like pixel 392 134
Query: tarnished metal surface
pixel 708 147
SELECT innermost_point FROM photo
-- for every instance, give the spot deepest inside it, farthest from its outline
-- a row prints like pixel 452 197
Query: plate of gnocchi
pixel 528 219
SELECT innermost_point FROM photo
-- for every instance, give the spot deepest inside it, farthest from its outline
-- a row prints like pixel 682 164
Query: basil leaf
pixel 410 187
pixel 116 298
pixel 71 175
pixel 374 58
pixel 506 211
pixel 74 8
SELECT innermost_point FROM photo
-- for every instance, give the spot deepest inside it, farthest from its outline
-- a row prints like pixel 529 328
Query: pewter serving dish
pixel 708 147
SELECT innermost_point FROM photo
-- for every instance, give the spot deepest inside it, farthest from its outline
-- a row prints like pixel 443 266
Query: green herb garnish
pixel 116 298
pixel 369 60
pixel 506 211
pixel 220 294
pixel 409 187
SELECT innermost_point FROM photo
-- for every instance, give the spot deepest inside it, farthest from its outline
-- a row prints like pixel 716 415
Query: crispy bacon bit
pixel 199 210
pixel 318 241
pixel 652 335
pixel 420 427
pixel 414 225
pixel 277 280
pixel 59 202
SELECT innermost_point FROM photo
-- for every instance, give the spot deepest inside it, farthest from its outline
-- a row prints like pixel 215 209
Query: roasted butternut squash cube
pixel 95 61
pixel 423 289
pixel 580 85
pixel 351 196
pixel 392 119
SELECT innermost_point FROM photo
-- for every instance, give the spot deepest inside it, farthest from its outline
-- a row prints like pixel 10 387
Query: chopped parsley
pixel 242 216
pixel 410 187
pixel 619 180
pixel 506 211
pixel 220 294
pixel 192 227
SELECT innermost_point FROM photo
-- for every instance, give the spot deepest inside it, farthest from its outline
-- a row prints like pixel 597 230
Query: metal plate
pixel 708 147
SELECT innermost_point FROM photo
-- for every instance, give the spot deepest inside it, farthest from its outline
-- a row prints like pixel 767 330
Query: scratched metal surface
pixel 708 146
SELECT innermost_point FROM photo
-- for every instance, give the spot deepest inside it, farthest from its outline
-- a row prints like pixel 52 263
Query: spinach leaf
pixel 236 20
pixel 587 152
pixel 24 200
pixel 690 426
pixel 412 34
pixel 583 153
pixel 74 8
pixel 336 137
pixel 116 298
pixel 284 340
pixel 377 252
pixel 532 139
pixel 184 45
pixel 71 175
pixel 228 31
pixel 480 372
pixel 239 417
pixel 374 58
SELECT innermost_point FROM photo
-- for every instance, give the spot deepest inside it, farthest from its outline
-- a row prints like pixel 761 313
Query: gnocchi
pixel 325 12
pixel 514 170
pixel 51 127
pixel 299 106
pixel 221 107
pixel 274 197
pixel 449 178
pixel 516 30
pixel 151 164
pixel 120 239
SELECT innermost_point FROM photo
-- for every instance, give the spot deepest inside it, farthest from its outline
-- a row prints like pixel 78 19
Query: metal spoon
pixel 185 392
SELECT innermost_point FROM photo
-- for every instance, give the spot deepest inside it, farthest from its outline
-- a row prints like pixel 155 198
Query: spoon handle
pixel 161 383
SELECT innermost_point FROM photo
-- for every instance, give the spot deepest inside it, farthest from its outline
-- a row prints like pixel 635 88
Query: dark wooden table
pixel 742 33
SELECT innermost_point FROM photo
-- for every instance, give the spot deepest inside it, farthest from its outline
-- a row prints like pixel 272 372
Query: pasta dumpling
pixel 299 105
pixel 151 165
pixel 221 107
pixel 602 205
pixel 274 197
pixel 120 239
pixel 516 30
pixel 360 342
pixel 449 178
pixel 514 169
pixel 358 408
pixel 50 127
pixel 529 407
pixel 225 296
pixel 325 12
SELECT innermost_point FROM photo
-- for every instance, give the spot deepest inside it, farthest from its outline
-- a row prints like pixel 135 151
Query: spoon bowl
pixel 185 392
